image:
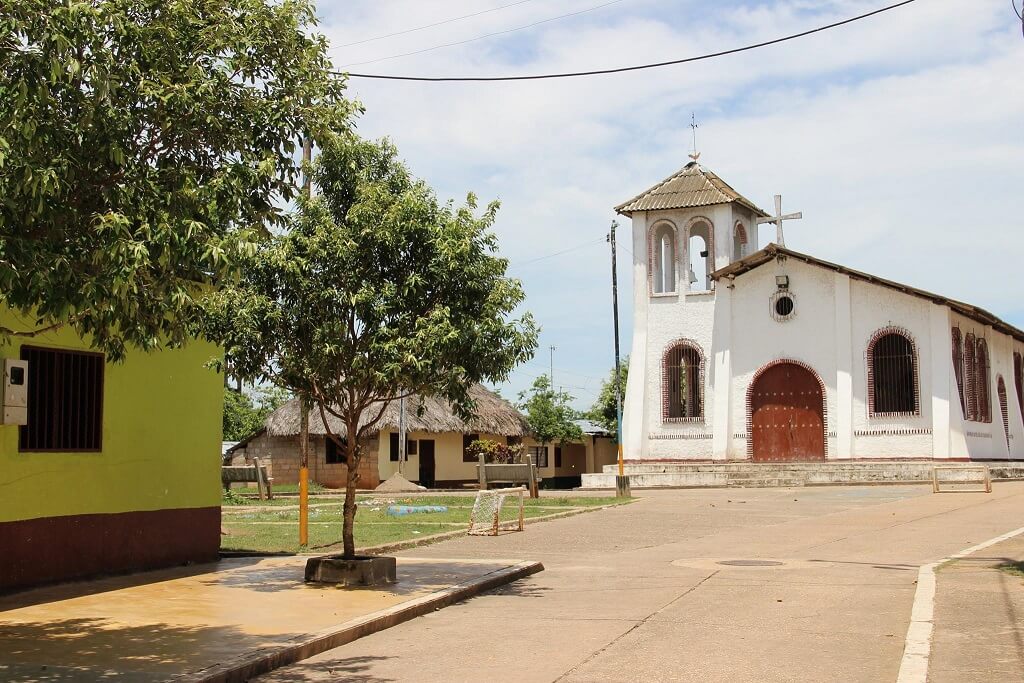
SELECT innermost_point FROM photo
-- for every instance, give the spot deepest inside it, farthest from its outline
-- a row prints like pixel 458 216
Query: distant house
pixel 105 467
pixel 436 448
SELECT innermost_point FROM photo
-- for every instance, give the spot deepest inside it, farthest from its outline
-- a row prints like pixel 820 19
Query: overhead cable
pixel 638 67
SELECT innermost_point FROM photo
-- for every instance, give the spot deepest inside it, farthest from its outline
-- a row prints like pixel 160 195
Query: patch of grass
pixel 273 528
pixel 1011 567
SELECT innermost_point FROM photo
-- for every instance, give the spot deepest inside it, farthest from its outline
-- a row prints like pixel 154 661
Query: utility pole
pixel 551 370
pixel 307 188
pixel 621 480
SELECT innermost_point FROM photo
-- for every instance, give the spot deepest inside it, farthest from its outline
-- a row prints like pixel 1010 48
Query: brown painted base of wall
pixel 49 549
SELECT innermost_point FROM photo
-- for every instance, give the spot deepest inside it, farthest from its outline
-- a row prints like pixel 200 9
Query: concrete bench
pixel 247 474
pixel 524 474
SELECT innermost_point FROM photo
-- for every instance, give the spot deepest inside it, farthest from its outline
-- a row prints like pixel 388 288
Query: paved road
pixel 639 593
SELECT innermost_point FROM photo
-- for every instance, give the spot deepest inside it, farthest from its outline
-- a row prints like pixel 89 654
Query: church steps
pixel 750 474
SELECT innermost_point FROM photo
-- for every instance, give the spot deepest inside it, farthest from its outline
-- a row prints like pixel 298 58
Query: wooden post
pixel 260 484
pixel 534 489
pixel 303 472
pixel 482 474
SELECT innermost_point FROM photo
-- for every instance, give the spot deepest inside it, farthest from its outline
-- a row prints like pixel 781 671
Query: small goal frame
pixel 486 520
pixel 982 483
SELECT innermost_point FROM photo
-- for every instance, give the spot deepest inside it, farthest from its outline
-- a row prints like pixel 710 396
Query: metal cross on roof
pixel 778 218
pixel 694 155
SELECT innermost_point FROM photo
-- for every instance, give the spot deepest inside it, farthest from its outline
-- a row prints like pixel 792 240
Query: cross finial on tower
pixel 778 218
pixel 694 155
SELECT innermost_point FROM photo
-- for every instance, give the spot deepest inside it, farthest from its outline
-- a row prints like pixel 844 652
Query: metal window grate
pixel 970 376
pixel 982 383
pixel 958 368
pixel 65 401
pixel 682 369
pixel 895 375
pixel 1004 409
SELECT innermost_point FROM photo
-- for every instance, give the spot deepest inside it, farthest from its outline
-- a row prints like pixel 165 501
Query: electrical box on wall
pixel 15 392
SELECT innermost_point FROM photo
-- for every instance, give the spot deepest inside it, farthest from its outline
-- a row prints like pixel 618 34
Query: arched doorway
pixel 787 414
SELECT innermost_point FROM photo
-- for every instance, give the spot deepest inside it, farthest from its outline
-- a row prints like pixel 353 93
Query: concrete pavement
pixel 639 593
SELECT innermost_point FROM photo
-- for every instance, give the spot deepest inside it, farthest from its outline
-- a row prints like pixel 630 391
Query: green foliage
pixel 603 410
pixel 549 413
pixel 493 451
pixel 144 146
pixel 376 291
pixel 243 416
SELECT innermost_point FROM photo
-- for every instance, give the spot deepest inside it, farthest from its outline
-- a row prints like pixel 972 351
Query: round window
pixel 784 306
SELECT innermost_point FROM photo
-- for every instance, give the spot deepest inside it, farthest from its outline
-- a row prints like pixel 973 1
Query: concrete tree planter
pixel 363 570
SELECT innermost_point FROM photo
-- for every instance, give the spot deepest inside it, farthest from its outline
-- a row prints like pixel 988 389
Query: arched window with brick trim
pixel 739 241
pixel 970 376
pixel 958 368
pixel 892 374
pixel 1018 380
pixel 982 382
pixel 683 383
pixel 663 258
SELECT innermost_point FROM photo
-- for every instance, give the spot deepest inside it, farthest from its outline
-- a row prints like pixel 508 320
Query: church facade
pixel 772 355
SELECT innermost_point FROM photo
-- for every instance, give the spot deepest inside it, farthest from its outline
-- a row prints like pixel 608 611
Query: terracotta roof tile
pixel 691 186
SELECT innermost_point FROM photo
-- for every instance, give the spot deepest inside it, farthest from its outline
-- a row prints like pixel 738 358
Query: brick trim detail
pixel 750 397
pixel 689 343
pixel 869 354
pixel 651 229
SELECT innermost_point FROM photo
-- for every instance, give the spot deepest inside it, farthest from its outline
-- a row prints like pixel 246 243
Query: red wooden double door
pixel 787 415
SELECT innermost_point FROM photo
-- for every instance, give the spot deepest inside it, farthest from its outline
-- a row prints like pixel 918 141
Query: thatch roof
pixel 494 415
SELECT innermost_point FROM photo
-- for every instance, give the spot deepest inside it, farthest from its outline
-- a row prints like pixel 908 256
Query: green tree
pixel 603 410
pixel 244 414
pixel 376 292
pixel 549 414
pixel 144 146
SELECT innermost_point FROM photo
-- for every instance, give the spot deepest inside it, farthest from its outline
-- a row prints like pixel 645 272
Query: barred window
pixel 958 368
pixel 982 383
pixel 65 401
pixel 683 383
pixel 1018 380
pixel 539 455
pixel 970 375
pixel 893 364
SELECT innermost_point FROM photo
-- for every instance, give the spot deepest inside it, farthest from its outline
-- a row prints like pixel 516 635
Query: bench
pixel 517 473
pixel 247 474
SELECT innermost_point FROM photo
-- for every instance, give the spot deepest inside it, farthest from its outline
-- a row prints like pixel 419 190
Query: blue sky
pixel 899 137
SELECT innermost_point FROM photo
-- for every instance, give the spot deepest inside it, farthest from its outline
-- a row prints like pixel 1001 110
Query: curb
pixel 262 661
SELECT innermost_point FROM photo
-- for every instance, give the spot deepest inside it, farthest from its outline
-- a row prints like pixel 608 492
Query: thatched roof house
pixel 494 415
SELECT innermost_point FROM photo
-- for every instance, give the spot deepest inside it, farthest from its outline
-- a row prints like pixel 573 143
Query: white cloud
pixel 898 137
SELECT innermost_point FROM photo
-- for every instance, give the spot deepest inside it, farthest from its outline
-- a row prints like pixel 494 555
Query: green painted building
pixel 116 468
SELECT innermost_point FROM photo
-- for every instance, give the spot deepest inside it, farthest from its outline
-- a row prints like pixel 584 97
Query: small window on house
pixel 65 401
pixel 466 440
pixel 539 455
pixel 410 447
pixel 558 456
pixel 683 383
pixel 513 440
pixel 334 454
pixel 892 376
pixel 663 259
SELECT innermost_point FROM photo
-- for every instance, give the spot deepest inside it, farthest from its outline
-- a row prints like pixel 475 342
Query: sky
pixel 899 137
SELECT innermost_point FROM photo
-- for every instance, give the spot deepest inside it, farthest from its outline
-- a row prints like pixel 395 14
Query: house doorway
pixel 787 411
pixel 426 448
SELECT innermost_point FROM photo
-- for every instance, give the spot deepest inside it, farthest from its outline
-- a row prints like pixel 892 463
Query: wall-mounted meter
pixel 15 392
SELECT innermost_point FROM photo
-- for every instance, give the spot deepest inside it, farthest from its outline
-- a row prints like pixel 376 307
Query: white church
pixel 772 355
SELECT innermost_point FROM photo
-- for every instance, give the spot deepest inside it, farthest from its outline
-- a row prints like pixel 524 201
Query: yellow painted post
pixel 303 472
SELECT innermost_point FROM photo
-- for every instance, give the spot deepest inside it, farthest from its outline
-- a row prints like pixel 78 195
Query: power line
pixel 436 23
pixel 557 253
pixel 597 72
pixel 488 35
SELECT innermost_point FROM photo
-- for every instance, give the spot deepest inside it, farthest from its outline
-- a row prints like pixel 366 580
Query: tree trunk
pixel 352 463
